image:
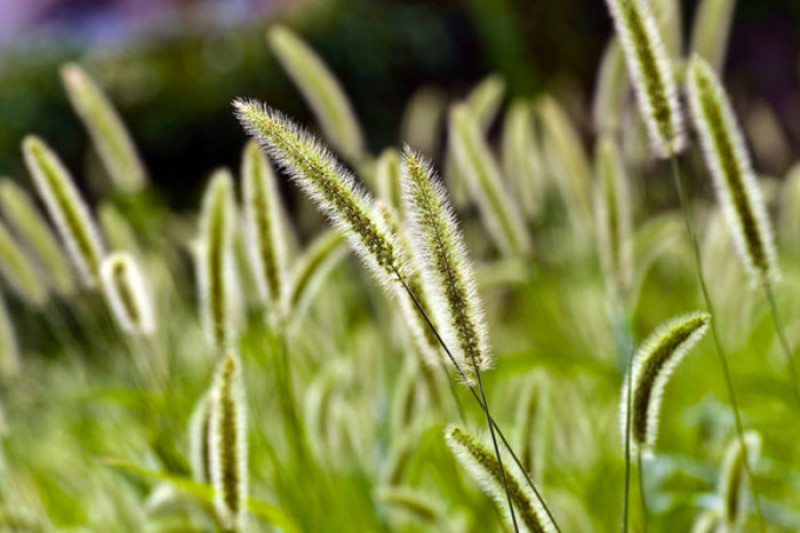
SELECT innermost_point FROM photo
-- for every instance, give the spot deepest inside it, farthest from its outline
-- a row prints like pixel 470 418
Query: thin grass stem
pixel 642 496
pixel 625 345
pixel 676 175
pixel 776 318
pixel 477 397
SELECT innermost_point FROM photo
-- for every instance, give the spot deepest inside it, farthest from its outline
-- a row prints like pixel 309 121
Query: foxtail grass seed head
pixel 9 348
pixel 733 477
pixel 215 262
pixel 613 215
pixel 708 521
pixel 19 271
pixel 477 164
pixel 68 211
pixel 483 466
pixel 228 443
pixel 29 225
pixel 651 74
pixel 322 91
pixel 447 273
pixel 652 366
pixel 264 224
pixel 734 180
pixel 127 294
pixel 109 135
pixel 611 90
pixel 329 184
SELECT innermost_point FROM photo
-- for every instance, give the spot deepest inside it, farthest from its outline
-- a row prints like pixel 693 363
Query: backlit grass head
pixel 652 366
pixel 109 135
pixel 215 267
pixel 227 444
pixel 70 214
pixel 733 477
pixel 332 187
pixel 447 273
pixel 730 167
pixel 650 73
pixel 127 294
pixel 484 467
pixel 19 272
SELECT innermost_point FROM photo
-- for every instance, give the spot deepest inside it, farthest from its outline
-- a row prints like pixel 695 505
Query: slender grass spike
pixel 652 366
pixel 128 295
pixel 20 272
pixel 730 167
pixel 732 477
pixel 483 466
pixel 651 74
pixel 68 211
pixel 228 443
pixel 108 132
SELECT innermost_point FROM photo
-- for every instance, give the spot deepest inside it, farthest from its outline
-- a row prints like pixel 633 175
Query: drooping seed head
pixel 322 91
pixel 215 266
pixel 109 135
pixel 21 274
pixel 730 167
pixel 330 186
pixel 29 225
pixel 483 466
pixel 228 443
pixel 477 164
pixel 68 211
pixel 127 294
pixel 732 477
pixel 447 273
pixel 613 215
pixel 652 366
pixel 264 224
pixel 651 74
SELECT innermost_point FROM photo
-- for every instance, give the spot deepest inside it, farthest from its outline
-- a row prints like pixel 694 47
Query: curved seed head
pixel 228 443
pixel 729 164
pixel 387 177
pixel 215 262
pixel 66 208
pixel 485 99
pixel 652 366
pixel 483 466
pixel 309 271
pixel 128 294
pixel 199 453
pixel 265 224
pixel 29 225
pixel 521 157
pixel 610 91
pixel 328 184
pixel 422 119
pixel 109 135
pixel 447 274
pixel 650 73
pixel 322 91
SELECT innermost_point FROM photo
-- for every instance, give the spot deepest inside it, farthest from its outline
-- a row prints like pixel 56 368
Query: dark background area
pixel 173 71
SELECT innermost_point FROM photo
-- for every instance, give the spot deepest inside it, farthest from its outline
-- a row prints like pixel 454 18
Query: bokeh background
pixel 173 66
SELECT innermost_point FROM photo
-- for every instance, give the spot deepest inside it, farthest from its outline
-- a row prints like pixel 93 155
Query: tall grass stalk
pixel 723 361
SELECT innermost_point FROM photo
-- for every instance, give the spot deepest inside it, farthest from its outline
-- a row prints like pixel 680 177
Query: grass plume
pixel 127 294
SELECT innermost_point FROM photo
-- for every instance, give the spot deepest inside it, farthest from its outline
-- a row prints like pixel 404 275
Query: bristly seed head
pixel 650 73
pixel 66 208
pixel 734 180
pixel 228 443
pixel 127 294
pixel 447 274
pixel 482 464
pixel 329 184
pixel 652 365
